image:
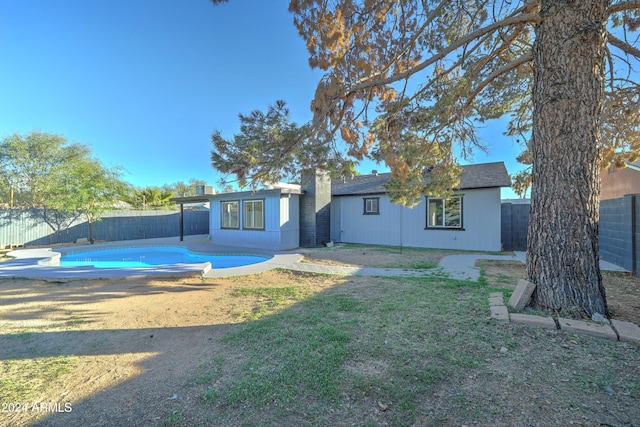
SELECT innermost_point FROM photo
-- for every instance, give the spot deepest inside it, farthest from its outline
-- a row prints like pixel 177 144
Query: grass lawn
pixel 411 352
pixel 293 349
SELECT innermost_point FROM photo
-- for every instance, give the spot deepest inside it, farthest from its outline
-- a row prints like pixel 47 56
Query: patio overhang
pixel 187 200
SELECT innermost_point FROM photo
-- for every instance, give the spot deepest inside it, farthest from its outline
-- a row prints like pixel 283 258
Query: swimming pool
pixel 145 257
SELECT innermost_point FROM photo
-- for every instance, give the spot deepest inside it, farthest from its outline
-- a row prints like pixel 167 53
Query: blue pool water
pixel 151 257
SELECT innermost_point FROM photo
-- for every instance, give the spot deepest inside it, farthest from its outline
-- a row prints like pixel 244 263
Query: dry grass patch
pixel 352 255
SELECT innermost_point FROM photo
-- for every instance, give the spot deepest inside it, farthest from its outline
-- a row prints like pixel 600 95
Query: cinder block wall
pixel 505 226
pixel 515 221
pixel 636 231
pixel 315 209
pixel 616 231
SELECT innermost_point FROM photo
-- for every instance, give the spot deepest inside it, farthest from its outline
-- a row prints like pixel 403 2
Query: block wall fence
pixel 618 230
pixel 18 227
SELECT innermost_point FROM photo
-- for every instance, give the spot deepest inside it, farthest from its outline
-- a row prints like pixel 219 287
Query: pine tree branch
pixel 623 46
pixel 527 57
pixel 529 17
pixel 452 67
pixel 625 5
pixel 433 15
pixel 507 42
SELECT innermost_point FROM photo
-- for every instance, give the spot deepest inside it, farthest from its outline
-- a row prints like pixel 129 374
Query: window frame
pixel 222 215
pixel 444 213
pixel 244 215
pixel 372 212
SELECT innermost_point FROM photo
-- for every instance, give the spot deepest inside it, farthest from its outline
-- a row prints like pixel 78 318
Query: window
pixel 253 214
pixel 229 217
pixel 371 206
pixel 444 212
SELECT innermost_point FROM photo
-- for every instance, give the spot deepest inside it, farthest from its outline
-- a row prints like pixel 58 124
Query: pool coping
pixel 31 263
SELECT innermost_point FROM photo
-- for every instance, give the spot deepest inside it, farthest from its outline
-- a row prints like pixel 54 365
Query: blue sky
pixel 144 83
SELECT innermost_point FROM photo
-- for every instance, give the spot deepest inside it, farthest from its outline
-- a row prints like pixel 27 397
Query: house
pixel 358 210
pixel 361 212
pixel 616 182
pixel 267 219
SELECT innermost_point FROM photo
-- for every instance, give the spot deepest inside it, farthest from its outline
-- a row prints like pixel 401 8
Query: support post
pixel 181 222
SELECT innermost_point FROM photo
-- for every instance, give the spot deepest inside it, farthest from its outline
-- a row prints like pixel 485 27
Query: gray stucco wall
pixel 398 225
pixel 277 222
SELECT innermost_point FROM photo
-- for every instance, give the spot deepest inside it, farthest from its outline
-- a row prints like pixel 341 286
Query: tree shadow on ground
pixel 137 342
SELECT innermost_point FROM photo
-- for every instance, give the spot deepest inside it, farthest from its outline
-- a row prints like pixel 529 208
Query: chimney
pixel 205 189
pixel 315 209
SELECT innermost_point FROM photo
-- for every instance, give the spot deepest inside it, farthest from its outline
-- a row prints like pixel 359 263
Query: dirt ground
pixel 375 256
pixel 139 342
pixel 622 290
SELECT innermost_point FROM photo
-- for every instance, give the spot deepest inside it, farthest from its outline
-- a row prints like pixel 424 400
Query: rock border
pixel 617 331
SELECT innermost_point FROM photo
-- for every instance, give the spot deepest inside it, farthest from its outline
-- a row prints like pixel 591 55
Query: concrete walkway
pixel 40 263
pixel 463 267
pixel 460 267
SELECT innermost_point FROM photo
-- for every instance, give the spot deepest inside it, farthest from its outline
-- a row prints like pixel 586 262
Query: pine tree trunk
pixel 563 253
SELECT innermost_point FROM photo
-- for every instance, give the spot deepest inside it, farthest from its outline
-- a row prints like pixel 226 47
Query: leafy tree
pixel 407 81
pixel 91 188
pixel 31 166
pixel 57 180
pixel 151 198
pixel 6 193
pixel 183 189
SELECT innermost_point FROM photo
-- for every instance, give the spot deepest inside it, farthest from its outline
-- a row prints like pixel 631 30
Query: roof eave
pixel 633 166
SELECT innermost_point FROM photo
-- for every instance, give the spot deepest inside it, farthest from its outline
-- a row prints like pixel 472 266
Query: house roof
pixel 208 197
pixel 191 199
pixel 483 175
